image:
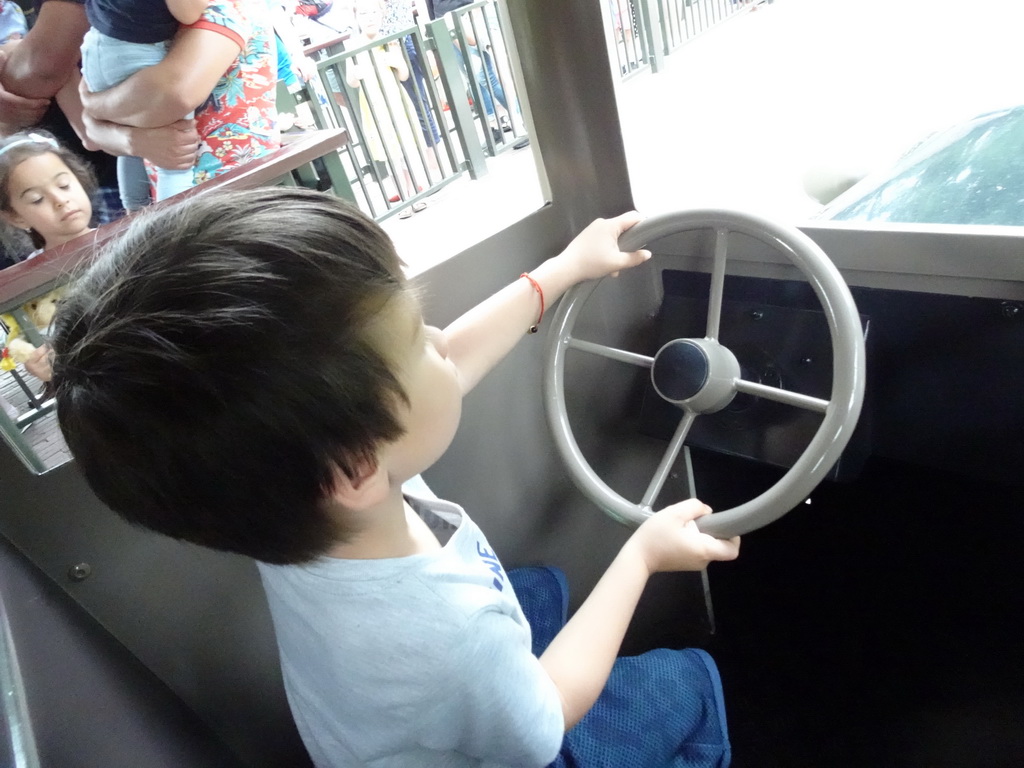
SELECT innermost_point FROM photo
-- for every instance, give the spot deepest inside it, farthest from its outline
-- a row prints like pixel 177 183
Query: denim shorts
pixel 107 61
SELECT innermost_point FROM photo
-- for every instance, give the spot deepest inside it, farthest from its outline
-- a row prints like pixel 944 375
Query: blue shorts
pixel 661 709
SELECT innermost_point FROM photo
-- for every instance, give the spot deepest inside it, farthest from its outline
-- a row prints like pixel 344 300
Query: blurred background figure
pixel 12 22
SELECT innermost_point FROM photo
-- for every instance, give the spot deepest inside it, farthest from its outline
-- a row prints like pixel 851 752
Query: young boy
pixel 251 372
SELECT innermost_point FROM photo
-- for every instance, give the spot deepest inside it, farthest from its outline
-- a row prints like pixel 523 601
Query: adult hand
pixel 86 96
pixel 17 112
pixel 173 146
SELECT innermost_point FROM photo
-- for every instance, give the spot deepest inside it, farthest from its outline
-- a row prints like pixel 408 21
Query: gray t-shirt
pixel 415 661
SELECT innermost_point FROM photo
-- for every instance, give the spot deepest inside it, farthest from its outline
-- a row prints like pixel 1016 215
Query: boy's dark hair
pixel 217 365
pixel 39 142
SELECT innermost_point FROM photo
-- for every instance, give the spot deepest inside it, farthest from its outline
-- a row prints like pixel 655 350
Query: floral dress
pixel 238 122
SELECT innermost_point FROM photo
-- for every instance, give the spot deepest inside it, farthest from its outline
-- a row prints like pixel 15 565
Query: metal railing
pixel 422 106
pixel 642 32
pixel 629 42
pixel 400 148
pixel 479 30
pixel 428 104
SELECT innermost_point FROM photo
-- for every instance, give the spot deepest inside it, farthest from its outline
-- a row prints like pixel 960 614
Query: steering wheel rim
pixel 841 410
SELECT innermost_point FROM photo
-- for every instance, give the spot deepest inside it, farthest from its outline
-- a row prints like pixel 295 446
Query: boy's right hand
pixel 595 251
pixel 581 656
pixel 669 540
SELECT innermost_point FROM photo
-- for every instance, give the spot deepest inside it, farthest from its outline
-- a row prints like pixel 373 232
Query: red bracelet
pixel 540 292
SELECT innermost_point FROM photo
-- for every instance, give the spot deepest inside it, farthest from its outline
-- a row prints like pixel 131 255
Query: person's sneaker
pixel 497 135
pixel 522 143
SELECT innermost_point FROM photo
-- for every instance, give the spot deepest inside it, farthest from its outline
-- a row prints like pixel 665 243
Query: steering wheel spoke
pixel 784 396
pixel 717 283
pixel 622 355
pixel 668 460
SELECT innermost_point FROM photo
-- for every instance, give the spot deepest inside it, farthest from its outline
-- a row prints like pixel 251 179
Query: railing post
pixel 340 185
pixel 653 33
pixel 308 94
pixel 11 432
pixel 19 739
pixel 455 92
pixel 28 326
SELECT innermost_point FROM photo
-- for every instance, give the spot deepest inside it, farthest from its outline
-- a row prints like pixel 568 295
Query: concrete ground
pixel 742 113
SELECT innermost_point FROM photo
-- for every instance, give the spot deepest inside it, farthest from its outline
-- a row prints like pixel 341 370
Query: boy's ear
pixel 369 485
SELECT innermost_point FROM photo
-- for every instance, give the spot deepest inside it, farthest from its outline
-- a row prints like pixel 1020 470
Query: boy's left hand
pixel 594 252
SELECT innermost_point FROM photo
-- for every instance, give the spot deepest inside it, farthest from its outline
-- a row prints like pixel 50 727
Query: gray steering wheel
pixel 701 375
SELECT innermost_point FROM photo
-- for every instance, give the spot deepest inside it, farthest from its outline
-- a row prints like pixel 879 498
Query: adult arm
pixel 42 63
pixel 186 11
pixel 17 112
pixel 479 339
pixel 37 67
pixel 171 146
pixel 71 105
pixel 166 92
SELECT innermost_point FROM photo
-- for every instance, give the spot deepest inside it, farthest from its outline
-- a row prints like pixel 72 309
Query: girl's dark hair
pixel 222 361
pixel 18 147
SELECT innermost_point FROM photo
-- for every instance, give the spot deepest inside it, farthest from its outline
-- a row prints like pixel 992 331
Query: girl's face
pixel 46 196
pixel 368 17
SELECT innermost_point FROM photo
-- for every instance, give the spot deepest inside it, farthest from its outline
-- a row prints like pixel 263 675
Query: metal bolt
pixel 80 572
pixel 806 360
pixel 756 314
pixel 1010 310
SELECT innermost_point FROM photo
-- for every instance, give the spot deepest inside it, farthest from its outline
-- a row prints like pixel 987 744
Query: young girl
pixel 44 189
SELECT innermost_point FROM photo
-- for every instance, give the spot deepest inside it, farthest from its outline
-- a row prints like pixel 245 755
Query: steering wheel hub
pixel 698 375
